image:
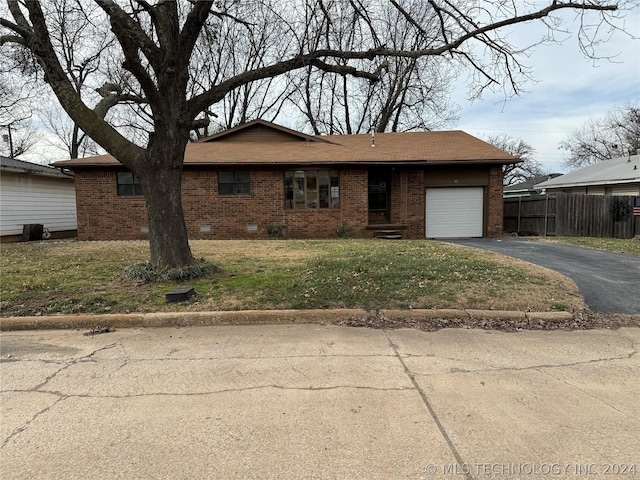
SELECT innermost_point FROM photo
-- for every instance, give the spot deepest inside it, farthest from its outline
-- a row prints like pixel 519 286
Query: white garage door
pixel 454 212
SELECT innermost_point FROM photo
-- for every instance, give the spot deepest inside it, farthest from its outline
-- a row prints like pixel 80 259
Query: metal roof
pixel 20 166
pixel 608 172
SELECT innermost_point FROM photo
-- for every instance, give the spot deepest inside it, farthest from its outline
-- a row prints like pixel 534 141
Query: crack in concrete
pixel 298 371
pixel 430 408
pixel 84 358
pixel 61 396
pixel 518 369
pixel 34 360
pixel 277 357
pixel 215 392
pixel 634 347
pixel 129 360
pixel 586 393
pixel 25 425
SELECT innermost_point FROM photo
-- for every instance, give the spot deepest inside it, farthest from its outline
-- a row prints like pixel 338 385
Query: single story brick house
pixel 259 177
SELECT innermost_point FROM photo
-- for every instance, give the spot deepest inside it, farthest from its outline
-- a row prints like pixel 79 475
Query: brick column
pixel 495 215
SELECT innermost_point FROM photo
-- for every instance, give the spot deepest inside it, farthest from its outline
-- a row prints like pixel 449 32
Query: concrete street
pixel 319 402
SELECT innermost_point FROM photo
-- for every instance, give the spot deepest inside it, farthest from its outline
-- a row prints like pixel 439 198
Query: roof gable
pixel 260 131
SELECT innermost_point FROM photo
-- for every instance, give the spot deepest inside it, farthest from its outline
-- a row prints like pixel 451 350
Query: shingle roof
pixel 608 172
pixel 528 184
pixel 398 148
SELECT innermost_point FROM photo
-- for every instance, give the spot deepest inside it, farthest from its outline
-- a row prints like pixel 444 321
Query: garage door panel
pixel 455 212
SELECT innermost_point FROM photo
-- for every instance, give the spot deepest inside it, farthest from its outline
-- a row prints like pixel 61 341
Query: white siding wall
pixel 28 199
pixel 628 189
pixel 595 190
pixel 632 189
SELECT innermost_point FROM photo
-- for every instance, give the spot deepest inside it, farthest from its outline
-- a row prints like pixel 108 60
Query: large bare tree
pixel 614 135
pixel 157 44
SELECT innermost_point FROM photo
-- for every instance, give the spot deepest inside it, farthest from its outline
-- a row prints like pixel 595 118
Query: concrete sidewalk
pixel 319 402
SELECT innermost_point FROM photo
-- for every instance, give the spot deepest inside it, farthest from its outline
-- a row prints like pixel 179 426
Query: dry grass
pixel 629 246
pixel 556 290
pixel 86 277
pixel 219 250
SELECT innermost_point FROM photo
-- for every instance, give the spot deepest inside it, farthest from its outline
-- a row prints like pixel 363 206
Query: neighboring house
pixel 620 176
pixel 259 177
pixel 35 194
pixel 526 188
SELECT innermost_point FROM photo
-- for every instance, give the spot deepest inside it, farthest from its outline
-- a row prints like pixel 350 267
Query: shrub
pixel 344 231
pixel 276 230
pixel 146 273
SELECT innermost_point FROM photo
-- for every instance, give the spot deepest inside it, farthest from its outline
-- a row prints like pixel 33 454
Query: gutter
pixel 347 163
pixel 588 184
pixel 53 173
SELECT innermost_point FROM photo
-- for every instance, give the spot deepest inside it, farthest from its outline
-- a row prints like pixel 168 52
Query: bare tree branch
pixel 527 169
pixel 40 43
pixel 614 135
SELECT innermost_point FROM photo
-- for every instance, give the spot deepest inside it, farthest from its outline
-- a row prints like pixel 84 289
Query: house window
pixel 233 183
pixel 608 190
pixel 128 184
pixel 309 189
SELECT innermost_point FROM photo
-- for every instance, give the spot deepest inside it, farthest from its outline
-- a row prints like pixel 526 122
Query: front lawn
pixel 86 277
pixel 630 246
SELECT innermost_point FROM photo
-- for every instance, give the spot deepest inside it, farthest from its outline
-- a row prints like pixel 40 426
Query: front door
pixel 379 195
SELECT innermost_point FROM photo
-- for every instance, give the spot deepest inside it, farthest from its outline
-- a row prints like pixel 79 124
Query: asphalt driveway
pixel 319 402
pixel 609 282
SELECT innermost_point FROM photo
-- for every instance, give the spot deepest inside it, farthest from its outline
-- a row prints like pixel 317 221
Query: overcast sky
pixel 570 89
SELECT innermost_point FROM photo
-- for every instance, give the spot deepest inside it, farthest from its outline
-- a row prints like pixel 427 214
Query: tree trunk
pixel 168 239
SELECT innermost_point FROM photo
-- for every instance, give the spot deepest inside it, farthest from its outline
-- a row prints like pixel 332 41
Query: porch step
pixel 388 235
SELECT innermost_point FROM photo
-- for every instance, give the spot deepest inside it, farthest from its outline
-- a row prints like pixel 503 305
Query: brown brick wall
pixel 415 203
pixel 249 216
pixel 407 201
pixel 210 215
pixel 495 216
pixel 103 215
pixel 398 200
pixel 354 200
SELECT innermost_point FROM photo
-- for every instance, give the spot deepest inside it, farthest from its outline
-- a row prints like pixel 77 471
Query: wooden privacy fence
pixel 572 215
